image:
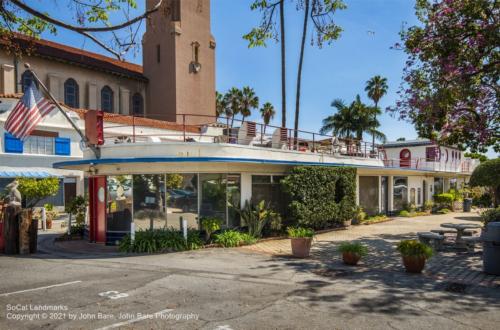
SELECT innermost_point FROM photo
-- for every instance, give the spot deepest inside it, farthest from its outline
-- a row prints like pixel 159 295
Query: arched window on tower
pixel 107 99
pixel 71 93
pixel 26 79
pixel 137 105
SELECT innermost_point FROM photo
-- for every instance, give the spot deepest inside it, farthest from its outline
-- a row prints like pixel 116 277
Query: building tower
pixel 179 61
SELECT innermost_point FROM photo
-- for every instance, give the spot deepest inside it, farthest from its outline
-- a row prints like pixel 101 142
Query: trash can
pixel 467 204
pixel 491 248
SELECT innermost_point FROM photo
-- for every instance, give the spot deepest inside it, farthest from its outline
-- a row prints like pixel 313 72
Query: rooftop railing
pixel 457 166
pixel 211 129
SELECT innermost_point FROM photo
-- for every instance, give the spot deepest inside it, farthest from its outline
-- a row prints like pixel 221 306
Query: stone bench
pixel 431 239
pixel 467 232
pixel 471 241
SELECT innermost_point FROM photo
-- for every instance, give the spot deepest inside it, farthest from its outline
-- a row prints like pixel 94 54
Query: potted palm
pixel 301 239
pixel 414 255
pixel 352 252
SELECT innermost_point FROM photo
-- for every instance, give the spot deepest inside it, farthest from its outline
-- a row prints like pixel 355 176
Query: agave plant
pixel 256 216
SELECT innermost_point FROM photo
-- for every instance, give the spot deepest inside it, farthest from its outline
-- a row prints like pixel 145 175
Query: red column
pixel 97 209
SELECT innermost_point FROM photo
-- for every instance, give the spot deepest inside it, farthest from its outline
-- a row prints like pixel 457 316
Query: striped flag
pixel 28 112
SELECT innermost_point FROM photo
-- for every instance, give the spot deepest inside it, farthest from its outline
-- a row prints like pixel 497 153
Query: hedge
pixel 445 200
pixel 321 196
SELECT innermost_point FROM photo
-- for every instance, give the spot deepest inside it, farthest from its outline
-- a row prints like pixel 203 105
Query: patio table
pixel 460 228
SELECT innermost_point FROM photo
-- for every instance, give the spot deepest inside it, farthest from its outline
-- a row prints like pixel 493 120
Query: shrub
pixel 229 238
pixel 492 215
pixel 78 229
pixel 414 248
pixel 444 211
pixel 428 205
pixel 486 175
pixel 247 239
pixel 210 225
pixel 404 213
pixel 256 216
pixel 356 248
pixel 445 200
pixel 375 219
pixel 161 240
pixel 300 232
pixel 321 196
pixel 78 207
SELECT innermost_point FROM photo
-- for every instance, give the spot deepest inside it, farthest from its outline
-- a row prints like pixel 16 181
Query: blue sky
pixel 339 70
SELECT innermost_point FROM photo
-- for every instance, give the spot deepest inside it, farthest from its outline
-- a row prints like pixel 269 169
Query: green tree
pixel 325 30
pixel 487 174
pixel 451 91
pixel 233 101
pixel 267 29
pixel 34 190
pixel 376 88
pixel 353 120
pixel 92 17
pixel 267 113
pixel 220 104
pixel 249 101
pixel 475 155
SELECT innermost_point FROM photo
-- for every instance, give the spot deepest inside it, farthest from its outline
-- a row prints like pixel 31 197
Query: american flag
pixel 28 112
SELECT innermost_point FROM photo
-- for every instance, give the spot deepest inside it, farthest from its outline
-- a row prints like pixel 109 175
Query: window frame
pixel 71 83
pixel 105 90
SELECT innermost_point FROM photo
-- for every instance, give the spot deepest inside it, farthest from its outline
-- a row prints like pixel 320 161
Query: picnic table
pixel 460 228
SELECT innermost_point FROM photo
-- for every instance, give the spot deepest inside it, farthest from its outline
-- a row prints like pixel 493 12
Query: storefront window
pixel 400 192
pixel 438 186
pixel 368 194
pixel 119 204
pixel 213 196
pixel 233 197
pixel 182 199
pixel 149 201
pixel 268 188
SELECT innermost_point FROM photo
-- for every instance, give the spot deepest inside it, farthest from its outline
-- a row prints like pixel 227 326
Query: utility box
pixel 94 127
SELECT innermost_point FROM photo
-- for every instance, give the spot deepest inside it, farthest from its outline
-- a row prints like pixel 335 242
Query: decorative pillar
pixel 390 193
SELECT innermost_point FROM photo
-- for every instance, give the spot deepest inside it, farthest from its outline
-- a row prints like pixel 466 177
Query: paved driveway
pixel 241 289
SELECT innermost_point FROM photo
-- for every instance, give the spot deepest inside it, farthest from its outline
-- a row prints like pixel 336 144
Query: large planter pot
pixel 49 224
pixel 350 258
pixel 414 264
pixel 301 247
pixel 347 223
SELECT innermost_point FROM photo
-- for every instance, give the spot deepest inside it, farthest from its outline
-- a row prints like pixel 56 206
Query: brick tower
pixel 179 61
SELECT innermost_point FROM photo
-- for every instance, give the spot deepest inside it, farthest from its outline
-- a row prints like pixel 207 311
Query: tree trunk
pixel 10 233
pixel 283 65
pixel 373 134
pixel 24 231
pixel 299 75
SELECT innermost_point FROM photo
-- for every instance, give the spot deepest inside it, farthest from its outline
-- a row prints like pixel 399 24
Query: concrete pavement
pixel 234 289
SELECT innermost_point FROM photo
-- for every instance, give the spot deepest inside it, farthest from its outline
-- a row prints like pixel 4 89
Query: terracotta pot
pixel 414 264
pixel 301 247
pixel 49 224
pixel 350 258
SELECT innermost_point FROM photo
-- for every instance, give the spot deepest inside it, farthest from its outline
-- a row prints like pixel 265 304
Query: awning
pixel 25 172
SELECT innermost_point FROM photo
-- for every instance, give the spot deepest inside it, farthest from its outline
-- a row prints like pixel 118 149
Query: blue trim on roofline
pixel 212 160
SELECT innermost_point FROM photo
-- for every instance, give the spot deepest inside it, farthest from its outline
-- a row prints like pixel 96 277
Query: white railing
pixel 460 166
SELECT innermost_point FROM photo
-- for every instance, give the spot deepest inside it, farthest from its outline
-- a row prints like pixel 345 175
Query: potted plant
pixel 50 214
pixel 352 252
pixel 359 216
pixel 301 239
pixel 414 255
pixel 210 225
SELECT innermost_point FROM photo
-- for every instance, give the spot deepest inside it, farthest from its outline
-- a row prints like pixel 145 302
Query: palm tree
pixel 299 73
pixel 376 88
pixel 353 120
pixel 267 112
pixel 220 104
pixel 249 101
pixel 340 123
pixel 233 101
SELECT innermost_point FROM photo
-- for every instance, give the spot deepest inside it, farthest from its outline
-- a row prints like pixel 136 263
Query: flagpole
pixel 95 149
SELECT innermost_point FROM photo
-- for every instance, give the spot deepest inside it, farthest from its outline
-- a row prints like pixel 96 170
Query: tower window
pixel 71 93
pixel 196 51
pixel 107 99
pixel 158 53
pixel 176 10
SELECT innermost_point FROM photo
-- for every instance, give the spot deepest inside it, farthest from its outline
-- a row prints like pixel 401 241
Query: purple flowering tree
pixel 450 89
